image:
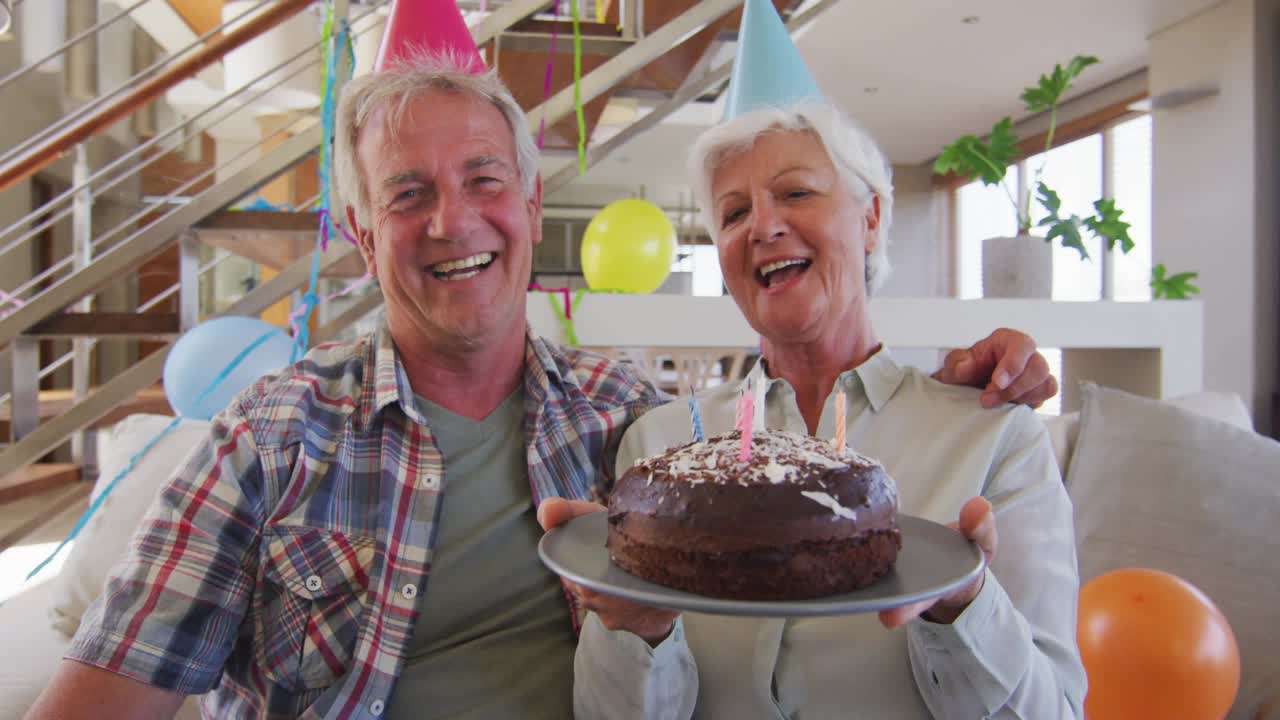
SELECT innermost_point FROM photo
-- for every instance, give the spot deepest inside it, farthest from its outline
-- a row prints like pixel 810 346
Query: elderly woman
pixel 800 202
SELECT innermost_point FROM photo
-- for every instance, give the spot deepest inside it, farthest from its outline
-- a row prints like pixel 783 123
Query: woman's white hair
pixel 395 88
pixel 855 155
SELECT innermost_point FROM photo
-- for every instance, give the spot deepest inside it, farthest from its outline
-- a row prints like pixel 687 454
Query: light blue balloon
pixel 768 70
pixel 206 351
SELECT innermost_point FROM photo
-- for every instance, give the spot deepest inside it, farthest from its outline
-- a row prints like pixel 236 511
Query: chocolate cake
pixel 800 519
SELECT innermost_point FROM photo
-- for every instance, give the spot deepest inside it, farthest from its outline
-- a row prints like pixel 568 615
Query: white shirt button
pixel 430 481
pixel 376 707
pixel 313 583
pixel 410 591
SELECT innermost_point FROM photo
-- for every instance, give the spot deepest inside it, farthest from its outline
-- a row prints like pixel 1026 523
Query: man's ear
pixel 364 240
pixel 535 209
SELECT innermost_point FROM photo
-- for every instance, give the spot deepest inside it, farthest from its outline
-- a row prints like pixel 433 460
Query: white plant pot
pixel 1017 267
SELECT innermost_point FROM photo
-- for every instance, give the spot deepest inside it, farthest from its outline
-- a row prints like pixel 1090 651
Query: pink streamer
pixel 568 310
pixel 6 298
pixel 326 219
pixel 546 83
pixel 746 413
pixel 302 309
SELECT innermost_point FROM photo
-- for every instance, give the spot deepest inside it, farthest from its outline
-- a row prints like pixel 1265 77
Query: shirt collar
pixel 879 377
pixel 391 382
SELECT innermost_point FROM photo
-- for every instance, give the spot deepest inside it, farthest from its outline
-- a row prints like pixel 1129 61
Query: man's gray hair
pixel 395 88
pixel 855 155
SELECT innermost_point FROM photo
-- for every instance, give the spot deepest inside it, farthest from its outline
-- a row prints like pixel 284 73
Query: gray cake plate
pixel 934 560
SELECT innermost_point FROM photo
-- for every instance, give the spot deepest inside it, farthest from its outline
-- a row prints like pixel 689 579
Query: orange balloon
pixel 1154 646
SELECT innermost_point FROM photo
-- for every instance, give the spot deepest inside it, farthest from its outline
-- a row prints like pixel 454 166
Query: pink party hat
pixel 427 26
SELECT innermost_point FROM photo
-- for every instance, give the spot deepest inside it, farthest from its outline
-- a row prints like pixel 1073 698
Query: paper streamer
pixel 564 313
pixel 577 91
pixel 296 315
pixel 566 317
pixel 744 422
pixel 7 299
pixel 841 419
pixel 551 61
pixel 133 461
pixel 334 45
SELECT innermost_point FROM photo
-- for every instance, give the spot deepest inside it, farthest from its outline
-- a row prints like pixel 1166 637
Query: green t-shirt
pixel 494 638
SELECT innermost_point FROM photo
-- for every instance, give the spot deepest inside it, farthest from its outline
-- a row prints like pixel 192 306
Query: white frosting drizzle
pixel 778 457
pixel 826 500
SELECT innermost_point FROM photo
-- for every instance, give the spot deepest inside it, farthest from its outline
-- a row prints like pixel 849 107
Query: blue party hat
pixel 768 70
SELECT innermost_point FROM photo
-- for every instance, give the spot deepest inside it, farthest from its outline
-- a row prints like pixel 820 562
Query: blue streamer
pixel 133 461
pixel 335 46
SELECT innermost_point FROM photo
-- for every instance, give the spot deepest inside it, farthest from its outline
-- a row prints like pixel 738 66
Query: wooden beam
pixel 108 324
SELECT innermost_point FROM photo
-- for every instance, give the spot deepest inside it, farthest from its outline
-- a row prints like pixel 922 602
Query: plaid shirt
pixel 284 566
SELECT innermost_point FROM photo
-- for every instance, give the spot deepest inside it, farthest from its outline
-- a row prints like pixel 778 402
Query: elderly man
pixel 358 536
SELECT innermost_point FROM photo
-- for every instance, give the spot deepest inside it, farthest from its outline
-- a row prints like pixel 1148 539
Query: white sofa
pixel 1123 458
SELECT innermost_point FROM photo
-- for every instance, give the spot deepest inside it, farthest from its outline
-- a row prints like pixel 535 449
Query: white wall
pixel 918 237
pixel 1213 191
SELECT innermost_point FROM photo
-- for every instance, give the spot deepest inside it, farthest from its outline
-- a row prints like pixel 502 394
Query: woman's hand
pixel 1005 366
pixel 652 625
pixel 978 523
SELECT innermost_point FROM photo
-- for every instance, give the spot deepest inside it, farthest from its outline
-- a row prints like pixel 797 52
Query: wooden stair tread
pixel 22 519
pixel 272 239
pixel 108 324
pixel 53 403
pixel 36 479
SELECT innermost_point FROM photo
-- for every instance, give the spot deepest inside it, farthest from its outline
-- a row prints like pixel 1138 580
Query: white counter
pixel 1153 348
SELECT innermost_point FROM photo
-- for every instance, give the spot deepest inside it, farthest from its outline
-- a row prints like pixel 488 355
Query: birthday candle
pixel 838 440
pixel 746 409
pixel 758 387
pixel 696 418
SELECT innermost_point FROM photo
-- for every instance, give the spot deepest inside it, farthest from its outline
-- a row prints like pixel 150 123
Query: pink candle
pixel 841 420
pixel 746 411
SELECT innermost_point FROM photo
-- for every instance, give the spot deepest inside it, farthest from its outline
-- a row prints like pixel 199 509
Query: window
pixel 704 265
pixel 1078 171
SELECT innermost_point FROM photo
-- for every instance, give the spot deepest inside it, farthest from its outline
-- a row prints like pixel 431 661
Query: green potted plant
pixel 1014 267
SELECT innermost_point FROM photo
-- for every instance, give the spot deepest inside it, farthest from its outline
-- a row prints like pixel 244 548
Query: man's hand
pixel 1005 366
pixel 978 523
pixel 652 625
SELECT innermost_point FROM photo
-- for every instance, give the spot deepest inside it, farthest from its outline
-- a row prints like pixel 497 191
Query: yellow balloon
pixel 629 246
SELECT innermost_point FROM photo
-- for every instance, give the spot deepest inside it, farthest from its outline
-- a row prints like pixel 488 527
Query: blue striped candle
pixel 696 418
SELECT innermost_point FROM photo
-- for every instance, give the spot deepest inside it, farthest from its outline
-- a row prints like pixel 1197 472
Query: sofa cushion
pixel 105 538
pixel 1161 487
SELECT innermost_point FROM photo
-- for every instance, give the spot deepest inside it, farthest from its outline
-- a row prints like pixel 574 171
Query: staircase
pixel 121 247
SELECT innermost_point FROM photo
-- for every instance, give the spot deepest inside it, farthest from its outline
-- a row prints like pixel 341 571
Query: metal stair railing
pixel 143 374
pixel 144 87
pixel 137 246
